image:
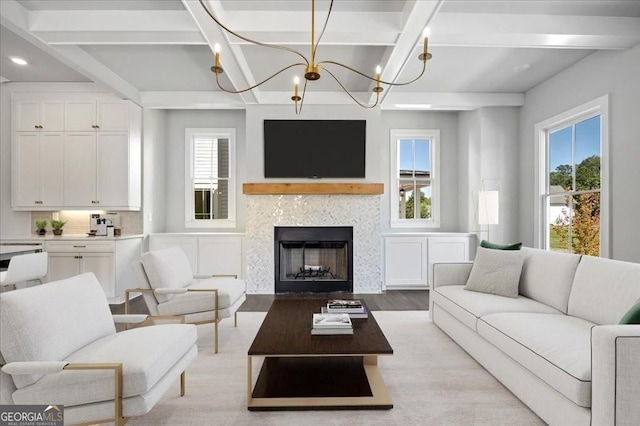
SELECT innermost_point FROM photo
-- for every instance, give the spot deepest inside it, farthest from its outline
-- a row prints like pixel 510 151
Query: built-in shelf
pixel 312 188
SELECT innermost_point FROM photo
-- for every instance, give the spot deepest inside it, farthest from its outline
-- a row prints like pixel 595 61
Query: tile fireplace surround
pixel 362 212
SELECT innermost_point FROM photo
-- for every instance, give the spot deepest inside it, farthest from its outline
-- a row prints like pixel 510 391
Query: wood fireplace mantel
pixel 316 188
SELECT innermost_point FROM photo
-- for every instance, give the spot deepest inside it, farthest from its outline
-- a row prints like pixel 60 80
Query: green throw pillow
pixel 487 244
pixel 632 316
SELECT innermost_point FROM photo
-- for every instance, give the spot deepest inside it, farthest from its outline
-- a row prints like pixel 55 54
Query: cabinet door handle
pixel 97 127
pixel 80 246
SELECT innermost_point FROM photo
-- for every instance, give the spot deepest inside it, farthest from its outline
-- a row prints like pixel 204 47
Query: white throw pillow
pixel 167 268
pixel 496 272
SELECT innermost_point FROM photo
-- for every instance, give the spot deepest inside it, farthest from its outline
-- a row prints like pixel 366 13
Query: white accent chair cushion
pixel 496 272
pixel 168 268
pixel 230 290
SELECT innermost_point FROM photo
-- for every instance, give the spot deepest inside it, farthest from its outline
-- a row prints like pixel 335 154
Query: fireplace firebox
pixel 313 259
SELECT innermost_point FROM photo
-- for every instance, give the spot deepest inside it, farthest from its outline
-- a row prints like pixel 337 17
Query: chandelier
pixel 312 68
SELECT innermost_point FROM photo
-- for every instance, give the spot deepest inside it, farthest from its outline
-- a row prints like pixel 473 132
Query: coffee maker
pixel 101 224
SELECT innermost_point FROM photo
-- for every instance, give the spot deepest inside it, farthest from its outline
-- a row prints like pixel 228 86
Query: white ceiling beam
pixel 541 31
pixel 15 17
pixel 190 100
pixel 232 59
pixel 312 98
pixel 420 14
pixel 450 101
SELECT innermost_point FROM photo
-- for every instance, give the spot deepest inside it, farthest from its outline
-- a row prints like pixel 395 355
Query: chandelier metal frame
pixel 311 67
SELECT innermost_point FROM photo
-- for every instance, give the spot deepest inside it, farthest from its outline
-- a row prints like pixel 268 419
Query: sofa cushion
pixel 632 316
pixel 604 289
pixel 556 348
pixel 495 272
pixel 490 245
pixel 167 268
pixel 147 353
pixel 52 321
pixel 547 276
pixel 468 306
pixel 230 290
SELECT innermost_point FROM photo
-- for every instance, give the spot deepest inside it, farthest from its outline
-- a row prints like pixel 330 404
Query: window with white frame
pixel 573 180
pixel 210 178
pixel 415 183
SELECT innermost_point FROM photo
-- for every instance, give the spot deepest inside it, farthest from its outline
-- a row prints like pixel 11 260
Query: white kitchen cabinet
pixel 33 112
pixel 408 258
pixel 97 163
pixel 105 115
pixel 208 254
pixel 69 259
pixel 109 259
pixel 37 178
pixel 97 170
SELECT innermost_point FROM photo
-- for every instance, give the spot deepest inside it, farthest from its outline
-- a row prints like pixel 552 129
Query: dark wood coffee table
pixel 302 371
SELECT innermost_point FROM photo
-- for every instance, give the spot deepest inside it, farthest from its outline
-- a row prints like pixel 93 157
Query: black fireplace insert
pixel 313 259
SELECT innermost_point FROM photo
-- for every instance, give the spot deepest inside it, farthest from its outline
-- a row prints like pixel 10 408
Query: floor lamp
pixel 488 209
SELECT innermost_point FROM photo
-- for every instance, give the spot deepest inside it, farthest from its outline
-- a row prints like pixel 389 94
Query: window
pixel 414 178
pixel 210 178
pixel 572 184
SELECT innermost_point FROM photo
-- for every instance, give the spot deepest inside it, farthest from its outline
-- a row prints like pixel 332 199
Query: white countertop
pixel 69 237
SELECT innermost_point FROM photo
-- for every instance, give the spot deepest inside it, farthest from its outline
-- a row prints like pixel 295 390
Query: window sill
pixel 211 224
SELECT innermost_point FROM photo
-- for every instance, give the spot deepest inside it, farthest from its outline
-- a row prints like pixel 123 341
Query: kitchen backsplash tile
pixel 78 221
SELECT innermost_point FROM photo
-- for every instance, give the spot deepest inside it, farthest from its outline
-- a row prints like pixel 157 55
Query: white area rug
pixel 431 380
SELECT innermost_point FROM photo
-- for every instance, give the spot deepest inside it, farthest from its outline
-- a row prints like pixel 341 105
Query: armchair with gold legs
pixel 61 348
pixel 169 287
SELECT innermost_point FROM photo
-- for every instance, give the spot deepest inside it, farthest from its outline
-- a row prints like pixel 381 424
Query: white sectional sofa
pixel 558 345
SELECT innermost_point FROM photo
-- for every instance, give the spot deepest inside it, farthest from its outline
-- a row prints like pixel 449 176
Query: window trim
pixel 394 197
pixel 190 221
pixel 598 106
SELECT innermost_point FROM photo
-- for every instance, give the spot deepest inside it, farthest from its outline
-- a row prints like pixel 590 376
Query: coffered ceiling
pixel 159 52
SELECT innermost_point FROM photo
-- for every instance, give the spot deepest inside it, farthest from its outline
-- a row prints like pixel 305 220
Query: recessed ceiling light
pixel 17 60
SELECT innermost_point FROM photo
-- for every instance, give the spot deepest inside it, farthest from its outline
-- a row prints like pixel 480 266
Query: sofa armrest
pixel 451 273
pixel 615 375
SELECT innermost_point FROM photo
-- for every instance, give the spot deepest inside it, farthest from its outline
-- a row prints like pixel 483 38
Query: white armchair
pixel 25 267
pixel 61 348
pixel 169 287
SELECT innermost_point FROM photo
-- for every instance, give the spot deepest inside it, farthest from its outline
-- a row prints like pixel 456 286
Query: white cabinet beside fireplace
pixel 408 257
pixel 208 254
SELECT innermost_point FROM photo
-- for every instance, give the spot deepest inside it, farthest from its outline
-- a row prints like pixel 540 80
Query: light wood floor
pixel 392 300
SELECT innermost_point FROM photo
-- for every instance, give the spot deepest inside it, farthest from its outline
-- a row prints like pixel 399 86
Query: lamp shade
pixel 488 207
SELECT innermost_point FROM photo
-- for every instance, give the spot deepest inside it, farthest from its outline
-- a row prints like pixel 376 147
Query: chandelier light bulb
pixel 426 33
pixel 378 70
pixel 296 80
pixel 216 48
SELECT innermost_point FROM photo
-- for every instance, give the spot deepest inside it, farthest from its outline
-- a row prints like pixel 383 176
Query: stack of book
pixel 354 308
pixel 331 324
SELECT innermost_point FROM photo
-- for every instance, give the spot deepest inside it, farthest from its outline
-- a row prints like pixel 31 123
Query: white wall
pixel 605 72
pixel 176 123
pixel 154 170
pixel 489 153
pixel 447 123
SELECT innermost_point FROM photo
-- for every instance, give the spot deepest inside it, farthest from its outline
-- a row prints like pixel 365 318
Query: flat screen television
pixel 314 148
